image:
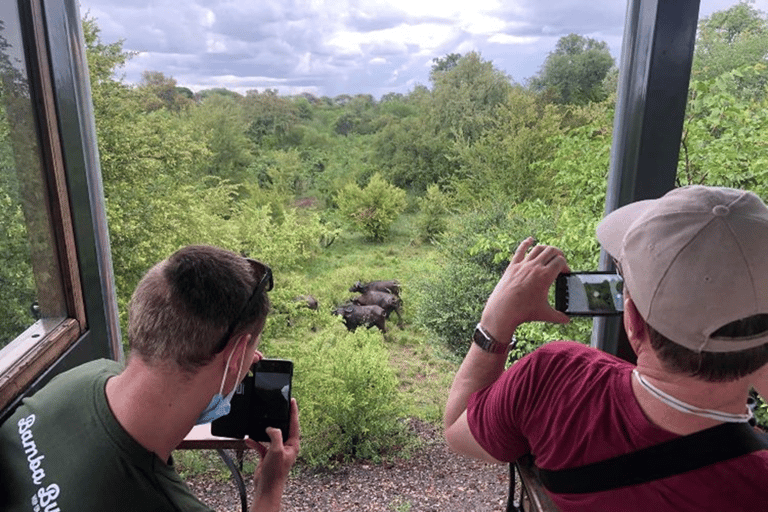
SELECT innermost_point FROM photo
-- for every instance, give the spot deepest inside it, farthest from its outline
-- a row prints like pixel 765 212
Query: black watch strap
pixel 488 343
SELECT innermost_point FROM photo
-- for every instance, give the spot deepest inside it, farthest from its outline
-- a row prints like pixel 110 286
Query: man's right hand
pixel 277 459
pixel 522 293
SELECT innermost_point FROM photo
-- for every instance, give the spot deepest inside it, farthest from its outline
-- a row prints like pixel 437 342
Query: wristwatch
pixel 487 342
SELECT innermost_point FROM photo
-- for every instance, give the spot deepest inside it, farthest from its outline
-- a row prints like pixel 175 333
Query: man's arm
pixel 271 474
pixel 521 295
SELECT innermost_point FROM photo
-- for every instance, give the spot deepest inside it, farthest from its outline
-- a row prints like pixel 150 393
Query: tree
pixel 223 126
pixel 373 209
pixel 466 95
pixel 444 64
pixel 730 39
pixel 271 117
pixel 575 70
pixel 498 164
pixel 160 91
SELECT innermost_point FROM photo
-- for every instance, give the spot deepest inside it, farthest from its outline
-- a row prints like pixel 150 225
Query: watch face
pixel 478 337
pixel 482 339
pixel 485 342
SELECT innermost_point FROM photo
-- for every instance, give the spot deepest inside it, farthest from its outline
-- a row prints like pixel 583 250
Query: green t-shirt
pixel 63 450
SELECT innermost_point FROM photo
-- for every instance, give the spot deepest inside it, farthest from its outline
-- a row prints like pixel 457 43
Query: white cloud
pixel 514 40
pixel 329 47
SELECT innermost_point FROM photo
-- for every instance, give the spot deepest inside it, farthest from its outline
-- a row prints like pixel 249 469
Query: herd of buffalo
pixel 377 300
pixel 371 308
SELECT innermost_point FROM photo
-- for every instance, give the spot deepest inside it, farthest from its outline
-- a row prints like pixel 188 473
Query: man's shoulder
pixel 88 371
pixel 570 350
pixel 573 358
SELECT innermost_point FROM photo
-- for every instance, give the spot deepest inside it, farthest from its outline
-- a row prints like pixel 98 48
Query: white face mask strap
pixel 687 408
pixel 239 368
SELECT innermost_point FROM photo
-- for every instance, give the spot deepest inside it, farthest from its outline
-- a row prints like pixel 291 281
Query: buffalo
pixel 384 300
pixel 307 300
pixel 392 287
pixel 355 315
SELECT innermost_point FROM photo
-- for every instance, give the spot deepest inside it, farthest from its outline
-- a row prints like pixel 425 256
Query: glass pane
pixel 30 283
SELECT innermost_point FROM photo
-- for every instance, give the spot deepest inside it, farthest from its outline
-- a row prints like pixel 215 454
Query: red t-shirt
pixel 570 405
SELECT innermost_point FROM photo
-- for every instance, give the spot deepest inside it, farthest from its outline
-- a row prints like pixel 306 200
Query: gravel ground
pixel 432 479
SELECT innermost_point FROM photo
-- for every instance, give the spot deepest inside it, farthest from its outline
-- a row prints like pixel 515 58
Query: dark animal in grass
pixel 308 300
pixel 392 287
pixel 384 300
pixel 355 315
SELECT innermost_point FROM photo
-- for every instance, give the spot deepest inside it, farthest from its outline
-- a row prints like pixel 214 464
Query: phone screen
pixel 589 294
pixel 262 400
pixel 271 404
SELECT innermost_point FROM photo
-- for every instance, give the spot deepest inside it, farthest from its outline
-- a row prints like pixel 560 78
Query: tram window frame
pixel 81 323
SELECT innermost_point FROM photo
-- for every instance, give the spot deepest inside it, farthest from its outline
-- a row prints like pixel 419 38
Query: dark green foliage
pixel 373 209
pixel 449 303
pixel 730 39
pixel 432 221
pixel 159 91
pixel 348 395
pixel 465 97
pixel 724 135
pixel 499 164
pixel 575 70
pixel 443 64
pixel 476 252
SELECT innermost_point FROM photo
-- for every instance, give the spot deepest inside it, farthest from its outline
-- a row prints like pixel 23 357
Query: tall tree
pixel 466 95
pixel 270 117
pixel 160 91
pixel 223 126
pixel 730 39
pixel 575 70
pixel 443 64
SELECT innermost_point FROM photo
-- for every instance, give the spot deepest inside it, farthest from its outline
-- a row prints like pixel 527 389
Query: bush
pixel 477 250
pixel 347 394
pixel 451 302
pixel 433 210
pixel 372 210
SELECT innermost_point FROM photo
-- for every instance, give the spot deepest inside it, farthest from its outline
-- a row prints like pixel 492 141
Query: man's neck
pixel 728 397
pixel 155 406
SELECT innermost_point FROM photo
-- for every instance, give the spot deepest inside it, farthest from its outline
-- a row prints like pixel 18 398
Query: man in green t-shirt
pixel 99 437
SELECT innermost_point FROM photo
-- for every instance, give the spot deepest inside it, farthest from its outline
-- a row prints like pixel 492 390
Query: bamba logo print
pixel 45 498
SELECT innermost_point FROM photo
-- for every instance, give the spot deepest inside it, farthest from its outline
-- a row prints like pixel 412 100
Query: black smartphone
pixel 262 400
pixel 589 294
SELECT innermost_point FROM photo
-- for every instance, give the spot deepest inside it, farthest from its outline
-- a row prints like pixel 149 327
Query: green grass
pixel 424 367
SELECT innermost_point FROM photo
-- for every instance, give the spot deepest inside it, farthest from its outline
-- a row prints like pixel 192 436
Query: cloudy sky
pixel 332 47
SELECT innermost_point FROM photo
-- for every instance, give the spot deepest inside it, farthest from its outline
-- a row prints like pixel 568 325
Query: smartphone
pixel 589 294
pixel 262 400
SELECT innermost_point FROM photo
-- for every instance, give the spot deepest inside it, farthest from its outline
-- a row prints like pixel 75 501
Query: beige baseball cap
pixel 693 261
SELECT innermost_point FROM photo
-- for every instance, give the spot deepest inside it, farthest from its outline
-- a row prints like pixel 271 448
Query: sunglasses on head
pixel 265 284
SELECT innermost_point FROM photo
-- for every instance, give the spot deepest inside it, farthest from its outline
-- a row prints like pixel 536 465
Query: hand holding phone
pixel 589 294
pixel 262 400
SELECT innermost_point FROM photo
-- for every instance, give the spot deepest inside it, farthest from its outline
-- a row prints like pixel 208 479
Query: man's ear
pixel 634 325
pixel 237 350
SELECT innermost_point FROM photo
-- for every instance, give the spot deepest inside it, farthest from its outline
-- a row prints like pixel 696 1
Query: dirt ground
pixel 431 479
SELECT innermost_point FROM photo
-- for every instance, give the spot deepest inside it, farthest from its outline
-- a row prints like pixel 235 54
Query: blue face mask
pixel 220 404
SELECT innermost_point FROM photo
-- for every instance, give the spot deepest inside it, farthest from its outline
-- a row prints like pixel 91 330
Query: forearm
pixel 520 296
pixel 478 370
pixel 267 501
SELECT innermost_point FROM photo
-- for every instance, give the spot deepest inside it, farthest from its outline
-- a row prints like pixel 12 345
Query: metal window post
pixel 654 75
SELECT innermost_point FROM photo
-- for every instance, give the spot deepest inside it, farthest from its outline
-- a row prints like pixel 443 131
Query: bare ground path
pixel 431 479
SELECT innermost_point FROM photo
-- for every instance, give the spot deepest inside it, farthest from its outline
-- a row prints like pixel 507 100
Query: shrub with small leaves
pixel 433 208
pixel 372 209
pixel 347 393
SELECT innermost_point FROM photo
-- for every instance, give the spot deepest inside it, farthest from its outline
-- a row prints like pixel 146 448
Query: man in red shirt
pixel 696 314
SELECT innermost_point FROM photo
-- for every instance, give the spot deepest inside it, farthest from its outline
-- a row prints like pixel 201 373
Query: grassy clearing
pixel 424 368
